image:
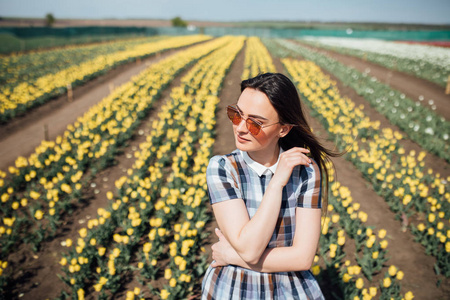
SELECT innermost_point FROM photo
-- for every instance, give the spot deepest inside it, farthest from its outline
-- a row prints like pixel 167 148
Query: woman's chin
pixel 243 145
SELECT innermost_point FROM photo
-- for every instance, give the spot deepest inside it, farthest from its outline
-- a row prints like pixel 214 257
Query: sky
pixel 383 11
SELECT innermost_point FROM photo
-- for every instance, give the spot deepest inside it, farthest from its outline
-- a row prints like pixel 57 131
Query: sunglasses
pixel 254 126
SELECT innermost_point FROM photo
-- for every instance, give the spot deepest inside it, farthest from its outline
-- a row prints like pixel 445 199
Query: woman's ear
pixel 285 130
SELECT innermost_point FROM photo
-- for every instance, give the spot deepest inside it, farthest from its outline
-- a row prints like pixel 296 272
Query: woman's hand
pixel 288 160
pixel 222 251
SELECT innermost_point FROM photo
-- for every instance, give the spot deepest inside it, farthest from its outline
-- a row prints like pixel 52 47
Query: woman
pixel 266 197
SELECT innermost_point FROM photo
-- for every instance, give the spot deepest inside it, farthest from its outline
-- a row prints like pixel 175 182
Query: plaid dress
pixel 235 176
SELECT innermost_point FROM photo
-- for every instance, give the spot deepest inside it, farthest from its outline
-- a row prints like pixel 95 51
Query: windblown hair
pixel 285 99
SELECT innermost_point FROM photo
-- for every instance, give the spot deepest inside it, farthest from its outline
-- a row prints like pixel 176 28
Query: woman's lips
pixel 241 139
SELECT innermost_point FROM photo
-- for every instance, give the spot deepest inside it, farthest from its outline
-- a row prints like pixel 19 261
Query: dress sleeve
pixel 222 180
pixel 310 194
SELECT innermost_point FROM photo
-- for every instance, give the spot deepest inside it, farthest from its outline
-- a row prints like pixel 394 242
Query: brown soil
pixel 36 273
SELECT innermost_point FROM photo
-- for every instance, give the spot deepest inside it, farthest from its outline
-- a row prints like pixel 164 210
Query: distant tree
pixel 178 22
pixel 49 20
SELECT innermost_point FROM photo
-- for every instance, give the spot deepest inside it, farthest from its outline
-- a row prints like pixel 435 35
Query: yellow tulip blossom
pixel 359 283
pixel 164 294
pixel 387 282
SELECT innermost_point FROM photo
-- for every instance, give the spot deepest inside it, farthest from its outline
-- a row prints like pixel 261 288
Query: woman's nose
pixel 242 127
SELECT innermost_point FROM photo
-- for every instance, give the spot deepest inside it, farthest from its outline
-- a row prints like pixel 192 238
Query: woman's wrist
pixel 275 186
pixel 233 258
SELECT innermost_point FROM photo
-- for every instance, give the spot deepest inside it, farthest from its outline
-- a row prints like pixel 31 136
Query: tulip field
pixel 22 90
pixel 152 238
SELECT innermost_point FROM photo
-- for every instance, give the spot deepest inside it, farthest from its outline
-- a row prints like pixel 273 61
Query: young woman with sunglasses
pixel 267 198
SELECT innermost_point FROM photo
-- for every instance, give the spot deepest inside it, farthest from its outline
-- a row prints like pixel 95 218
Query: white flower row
pixel 434 55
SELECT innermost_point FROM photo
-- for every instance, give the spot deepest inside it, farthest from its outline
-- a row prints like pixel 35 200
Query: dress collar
pixel 259 168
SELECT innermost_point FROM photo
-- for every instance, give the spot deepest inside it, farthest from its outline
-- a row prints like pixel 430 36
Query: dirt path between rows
pixel 410 85
pixel 22 135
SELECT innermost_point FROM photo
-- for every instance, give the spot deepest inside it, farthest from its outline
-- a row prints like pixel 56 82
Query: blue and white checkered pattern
pixel 233 177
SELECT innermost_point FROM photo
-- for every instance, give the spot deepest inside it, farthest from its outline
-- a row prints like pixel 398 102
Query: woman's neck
pixel 266 157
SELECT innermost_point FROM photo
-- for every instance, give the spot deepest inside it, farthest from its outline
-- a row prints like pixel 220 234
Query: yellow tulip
pixel 382 233
pixel 392 270
pixel 168 274
pixel 315 270
pixel 387 282
pixel 38 214
pixel 172 282
pixel 359 283
pixel 80 294
pixel 164 294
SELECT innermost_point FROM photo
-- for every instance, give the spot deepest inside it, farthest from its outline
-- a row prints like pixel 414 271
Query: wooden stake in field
pixel 447 90
pixel 46 132
pixel 69 92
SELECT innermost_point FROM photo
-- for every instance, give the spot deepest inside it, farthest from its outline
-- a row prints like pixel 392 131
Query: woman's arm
pixel 298 257
pixel 249 237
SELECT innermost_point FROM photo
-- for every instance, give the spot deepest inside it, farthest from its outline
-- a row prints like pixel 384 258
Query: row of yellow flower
pixel 422 125
pixel 28 94
pixel 347 220
pixel 399 177
pixel 40 189
pixel 20 67
pixel 124 226
pixel 219 64
pixel 257 59
pixel 152 208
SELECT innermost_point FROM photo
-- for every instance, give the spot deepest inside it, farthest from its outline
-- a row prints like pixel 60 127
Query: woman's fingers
pixel 296 150
pixel 217 256
pixel 288 160
pixel 215 264
pixel 295 156
pixel 219 233
pixel 298 159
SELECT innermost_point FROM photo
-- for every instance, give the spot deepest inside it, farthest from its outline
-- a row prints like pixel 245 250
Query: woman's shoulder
pixel 225 160
pixel 312 170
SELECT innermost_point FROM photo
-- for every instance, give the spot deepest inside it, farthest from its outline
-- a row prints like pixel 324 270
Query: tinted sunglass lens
pixel 234 116
pixel 253 127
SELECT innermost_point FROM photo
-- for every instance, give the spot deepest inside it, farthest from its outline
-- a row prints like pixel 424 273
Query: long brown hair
pixel 285 99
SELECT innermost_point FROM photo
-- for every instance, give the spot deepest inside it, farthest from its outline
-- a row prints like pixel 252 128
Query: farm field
pixel 64 68
pixel 114 204
pixel 427 93
pixel 424 61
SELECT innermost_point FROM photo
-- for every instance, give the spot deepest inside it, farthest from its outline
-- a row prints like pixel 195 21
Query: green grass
pixel 10 43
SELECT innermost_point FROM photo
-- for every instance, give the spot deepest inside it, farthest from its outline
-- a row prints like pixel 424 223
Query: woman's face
pixel 255 104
